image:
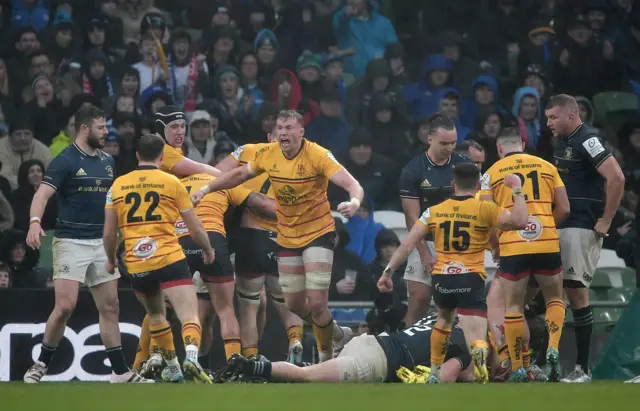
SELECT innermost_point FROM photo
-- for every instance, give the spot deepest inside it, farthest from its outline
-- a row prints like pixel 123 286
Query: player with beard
pixel 595 184
pixel 82 175
pixel 300 172
pixel 171 125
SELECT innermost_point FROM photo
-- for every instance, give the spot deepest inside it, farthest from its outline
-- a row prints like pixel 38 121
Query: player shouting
pixel 300 171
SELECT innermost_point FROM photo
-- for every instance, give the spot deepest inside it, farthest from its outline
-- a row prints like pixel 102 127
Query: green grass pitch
pixel 597 396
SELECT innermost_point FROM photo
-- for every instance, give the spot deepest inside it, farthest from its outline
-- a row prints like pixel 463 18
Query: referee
pixel 589 171
pixel 81 175
pixel 424 182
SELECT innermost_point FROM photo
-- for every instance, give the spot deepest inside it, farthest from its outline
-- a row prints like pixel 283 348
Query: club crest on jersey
pixel 425 183
pixel 300 170
pixel 145 248
pixel 568 153
pixel 532 231
pixel 109 170
pixel 287 195
pixel 181 227
pixel 142 179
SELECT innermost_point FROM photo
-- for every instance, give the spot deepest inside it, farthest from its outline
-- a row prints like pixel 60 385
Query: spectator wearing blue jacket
pixel 485 100
pixel 362 230
pixel 450 103
pixel 330 129
pixel 526 109
pixel 436 74
pixel 360 26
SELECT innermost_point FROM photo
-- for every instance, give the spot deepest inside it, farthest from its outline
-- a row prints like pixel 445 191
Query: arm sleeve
pixel 171 157
pixel 239 155
pixel 238 195
pixel 109 202
pixel 328 164
pixel 425 218
pixel 557 180
pixel 409 186
pixel 57 172
pixel 182 197
pixel 594 151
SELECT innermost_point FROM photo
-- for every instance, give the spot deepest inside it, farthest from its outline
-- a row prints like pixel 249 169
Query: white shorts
pixel 81 260
pixel 414 271
pixel 362 360
pixel 580 252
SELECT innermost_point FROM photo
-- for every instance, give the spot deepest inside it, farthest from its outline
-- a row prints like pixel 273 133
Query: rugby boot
pixel 295 353
pixel 172 373
pixel 129 378
pixel 194 369
pixel 478 356
pixel 153 367
pixel 539 374
pixel 433 380
pixel 553 359
pixel 406 376
pixel 577 376
pixel 35 373
pixel 520 375
pixel 339 343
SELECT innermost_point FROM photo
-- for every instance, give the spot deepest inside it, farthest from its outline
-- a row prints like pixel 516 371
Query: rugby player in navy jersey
pixel 81 175
pixel 424 182
pixel 595 185
pixel 369 359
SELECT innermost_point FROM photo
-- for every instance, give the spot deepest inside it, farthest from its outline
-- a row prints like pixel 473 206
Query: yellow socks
pixel 232 346
pixel 514 331
pixel 246 351
pixel 191 336
pixel 555 320
pixel 142 354
pixel 162 340
pixel 324 337
pixel 439 342
pixel 294 334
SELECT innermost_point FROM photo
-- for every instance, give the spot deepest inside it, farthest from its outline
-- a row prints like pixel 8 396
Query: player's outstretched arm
pixel 407 245
pixel 110 236
pixel 345 180
pixel 227 164
pixel 38 204
pixel 517 218
pixel 262 205
pixel 614 189
pixel 562 207
pixel 187 167
pixel 198 233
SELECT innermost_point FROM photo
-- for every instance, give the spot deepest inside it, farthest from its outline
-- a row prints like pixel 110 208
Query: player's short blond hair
pixel 563 100
pixel 287 114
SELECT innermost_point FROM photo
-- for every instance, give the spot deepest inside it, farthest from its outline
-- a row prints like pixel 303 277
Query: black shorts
pixel 149 283
pixel 327 241
pixel 463 292
pixel 257 256
pixel 221 271
pixel 517 267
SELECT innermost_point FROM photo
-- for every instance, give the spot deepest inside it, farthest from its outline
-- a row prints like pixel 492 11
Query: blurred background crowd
pixel 364 73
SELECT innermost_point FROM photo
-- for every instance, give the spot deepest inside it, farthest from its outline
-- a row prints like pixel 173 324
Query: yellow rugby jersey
pixel 211 208
pixel 300 187
pixel 147 202
pixel 539 181
pixel 259 184
pixel 460 227
pixel 170 157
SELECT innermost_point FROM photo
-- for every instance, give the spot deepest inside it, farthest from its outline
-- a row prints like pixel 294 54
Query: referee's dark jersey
pixel 577 158
pixel 82 182
pixel 427 182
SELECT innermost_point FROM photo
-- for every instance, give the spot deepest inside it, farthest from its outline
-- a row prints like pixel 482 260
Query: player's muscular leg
pixel 249 290
pixel 288 318
pixel 262 313
pixel 222 299
pixel 105 296
pixel 293 282
pixel 495 311
pixel 66 297
pixel 578 297
pixel 207 317
pixel 327 371
pixel 184 301
pixel 317 266
pixel 419 299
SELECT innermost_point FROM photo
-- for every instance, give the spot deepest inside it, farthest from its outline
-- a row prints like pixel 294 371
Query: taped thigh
pixel 291 270
pixel 248 289
pixel 292 283
pixel 317 264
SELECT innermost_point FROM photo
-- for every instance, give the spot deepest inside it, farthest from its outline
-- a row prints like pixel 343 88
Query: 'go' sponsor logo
pixel 532 231
pixel 145 248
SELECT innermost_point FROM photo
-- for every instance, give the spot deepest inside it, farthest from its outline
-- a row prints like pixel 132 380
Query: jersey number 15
pixel 458 238
pixel 152 198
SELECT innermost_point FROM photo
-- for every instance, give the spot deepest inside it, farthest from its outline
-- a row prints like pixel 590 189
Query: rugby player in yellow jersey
pixel 171 125
pixel 218 277
pixel 461 227
pixel 300 172
pixel 256 264
pixel 533 250
pixel 145 205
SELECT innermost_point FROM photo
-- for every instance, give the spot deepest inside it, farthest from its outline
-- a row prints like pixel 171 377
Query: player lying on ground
pixel 369 358
pixel 144 205
pixel 461 226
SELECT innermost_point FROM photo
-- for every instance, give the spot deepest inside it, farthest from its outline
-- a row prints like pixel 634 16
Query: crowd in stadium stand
pixel 364 73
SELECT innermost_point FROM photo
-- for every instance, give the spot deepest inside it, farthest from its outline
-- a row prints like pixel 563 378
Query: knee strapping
pixel 318 280
pixel 292 283
pixel 317 255
pixel 248 289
